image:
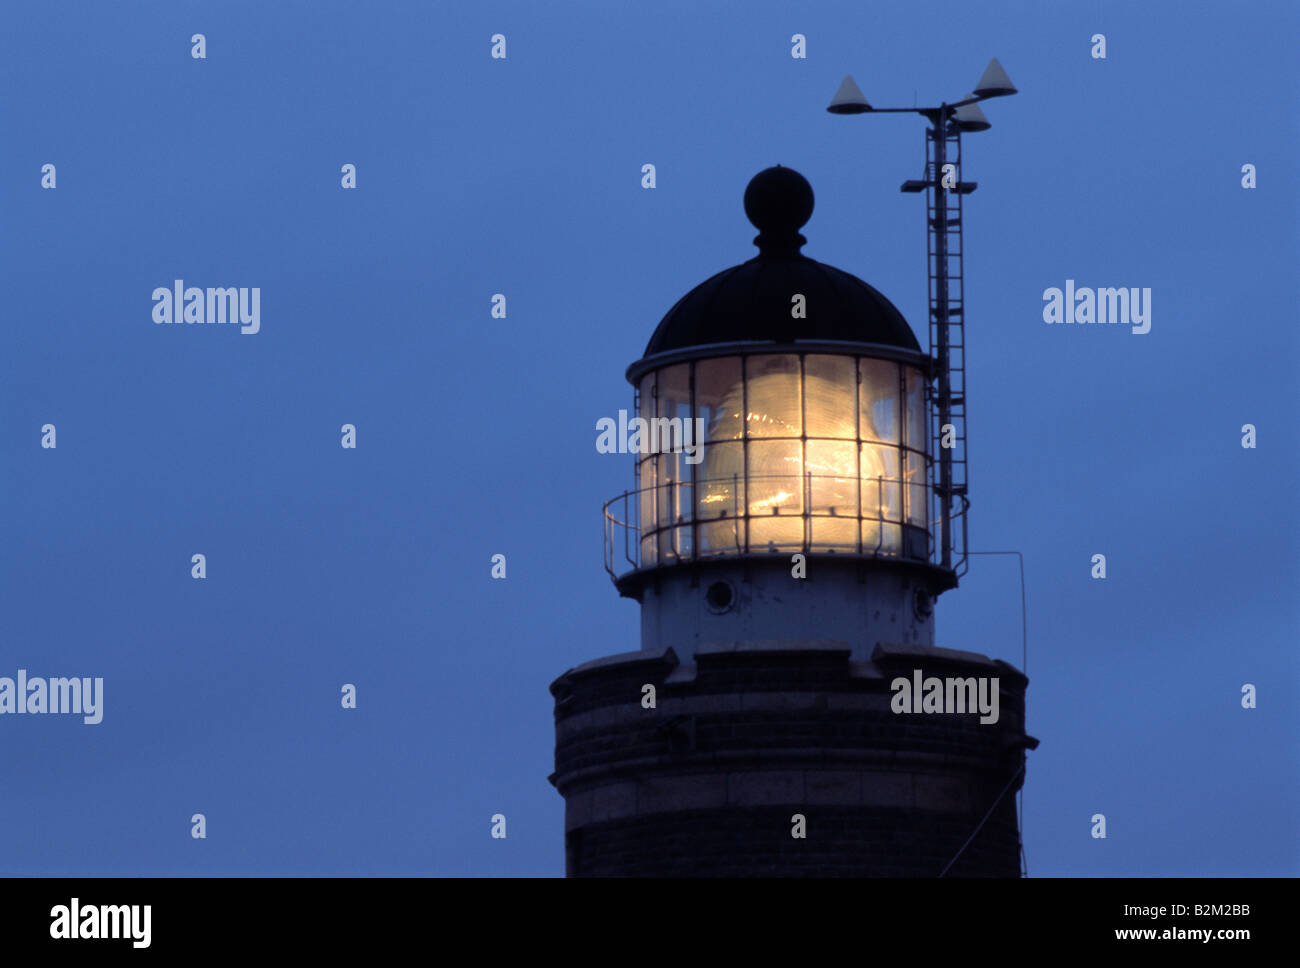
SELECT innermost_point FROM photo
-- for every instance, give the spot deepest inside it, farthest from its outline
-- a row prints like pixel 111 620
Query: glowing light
pixel 798 456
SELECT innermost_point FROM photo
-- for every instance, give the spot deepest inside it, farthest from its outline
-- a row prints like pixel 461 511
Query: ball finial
pixel 779 201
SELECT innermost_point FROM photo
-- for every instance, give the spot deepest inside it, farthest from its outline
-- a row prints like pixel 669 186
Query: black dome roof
pixel 752 301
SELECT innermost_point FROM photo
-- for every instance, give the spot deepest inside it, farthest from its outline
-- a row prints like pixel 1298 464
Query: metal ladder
pixel 947 336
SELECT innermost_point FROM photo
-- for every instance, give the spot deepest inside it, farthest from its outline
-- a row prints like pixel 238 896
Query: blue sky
pixel 475 436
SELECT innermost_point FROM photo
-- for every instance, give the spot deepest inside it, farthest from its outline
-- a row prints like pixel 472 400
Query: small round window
pixel 720 597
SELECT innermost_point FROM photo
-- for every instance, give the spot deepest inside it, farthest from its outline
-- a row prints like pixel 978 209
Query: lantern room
pixel 808 495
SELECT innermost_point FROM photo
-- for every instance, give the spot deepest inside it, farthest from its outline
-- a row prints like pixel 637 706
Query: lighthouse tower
pixel 788 712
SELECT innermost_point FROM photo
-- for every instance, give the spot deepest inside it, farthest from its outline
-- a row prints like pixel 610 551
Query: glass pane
pixel 775 534
pixel 675 508
pixel 673 499
pixel 830 391
pixel 721 489
pixel 915 489
pixel 672 430
pixel 774 405
pixel 647 396
pixel 915 409
pixel 833 492
pixel 669 553
pixel 718 402
pixel 666 556
pixel 834 534
pixel 671 491
pixel 882 500
pixel 649 548
pixel 878 393
pixel 775 491
pixel 675 391
pixel 775 480
pixel 881 539
pixel 685 542
pixel 881 491
pixel 721 537
pixel 720 494
pixel 718 397
pixel 648 478
pixel 833 466
pixel 647 471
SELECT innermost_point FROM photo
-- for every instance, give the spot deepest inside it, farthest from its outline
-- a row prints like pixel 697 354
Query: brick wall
pixel 706 783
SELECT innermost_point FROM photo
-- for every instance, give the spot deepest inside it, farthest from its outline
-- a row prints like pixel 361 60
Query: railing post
pixel 807 511
pixel 735 510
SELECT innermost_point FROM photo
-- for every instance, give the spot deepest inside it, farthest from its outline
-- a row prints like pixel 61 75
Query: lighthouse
pixel 789 711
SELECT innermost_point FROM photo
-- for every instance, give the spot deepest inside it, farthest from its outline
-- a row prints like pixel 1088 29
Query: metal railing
pixel 774 513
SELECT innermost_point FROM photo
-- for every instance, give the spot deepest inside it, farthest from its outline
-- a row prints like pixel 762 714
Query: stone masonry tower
pixel 788 713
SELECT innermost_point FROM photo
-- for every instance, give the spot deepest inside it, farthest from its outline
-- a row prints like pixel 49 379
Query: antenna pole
pixel 939 135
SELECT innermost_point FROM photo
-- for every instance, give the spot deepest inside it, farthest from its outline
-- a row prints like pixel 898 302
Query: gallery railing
pixel 771 514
